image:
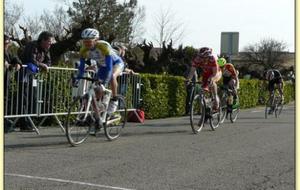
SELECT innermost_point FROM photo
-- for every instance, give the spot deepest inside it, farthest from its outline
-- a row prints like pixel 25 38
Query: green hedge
pixel 164 96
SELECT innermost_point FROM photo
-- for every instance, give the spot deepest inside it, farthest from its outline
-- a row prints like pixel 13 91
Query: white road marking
pixel 284 108
pixel 65 181
pixel 255 111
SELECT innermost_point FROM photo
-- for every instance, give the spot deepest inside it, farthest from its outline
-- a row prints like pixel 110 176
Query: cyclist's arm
pixel 106 51
pixel 235 76
pixel 83 55
pixel 214 67
pixel 191 73
pixel 107 72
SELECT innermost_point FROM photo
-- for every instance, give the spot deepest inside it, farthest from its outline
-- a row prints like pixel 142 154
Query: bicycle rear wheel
pixel 79 121
pixel 115 122
pixel 197 114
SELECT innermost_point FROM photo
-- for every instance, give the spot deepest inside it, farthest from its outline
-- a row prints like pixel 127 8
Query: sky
pixel 203 21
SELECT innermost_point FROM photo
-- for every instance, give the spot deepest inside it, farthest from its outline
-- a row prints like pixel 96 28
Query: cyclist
pixel 230 77
pixel 211 73
pixel 273 76
pixel 108 65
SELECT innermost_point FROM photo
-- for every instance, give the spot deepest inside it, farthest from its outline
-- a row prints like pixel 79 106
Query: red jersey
pixel 229 70
pixel 208 67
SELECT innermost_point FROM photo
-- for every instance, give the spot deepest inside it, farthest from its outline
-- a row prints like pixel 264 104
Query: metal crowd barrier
pixel 49 94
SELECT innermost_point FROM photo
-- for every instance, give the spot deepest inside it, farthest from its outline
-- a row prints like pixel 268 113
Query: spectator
pixel 121 51
pixel 291 74
pixel 36 56
pixel 11 63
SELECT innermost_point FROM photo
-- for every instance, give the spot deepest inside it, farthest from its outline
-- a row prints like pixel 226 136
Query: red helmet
pixel 205 52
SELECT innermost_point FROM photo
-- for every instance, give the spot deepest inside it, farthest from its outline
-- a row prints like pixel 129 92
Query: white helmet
pixel 90 33
pixel 270 75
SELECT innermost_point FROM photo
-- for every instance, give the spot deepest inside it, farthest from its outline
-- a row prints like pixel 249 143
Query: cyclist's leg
pixel 226 81
pixel 205 82
pixel 271 88
pixel 99 92
pixel 232 86
pixel 117 71
pixel 214 90
pixel 280 88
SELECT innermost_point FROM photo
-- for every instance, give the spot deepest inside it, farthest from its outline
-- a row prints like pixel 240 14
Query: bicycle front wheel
pixel 234 114
pixel 268 109
pixel 79 121
pixel 223 108
pixel 197 114
pixel 278 110
pixel 215 119
pixel 116 121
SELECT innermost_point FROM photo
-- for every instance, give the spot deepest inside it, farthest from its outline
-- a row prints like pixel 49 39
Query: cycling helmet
pixel 270 75
pixel 90 33
pixel 205 52
pixel 221 62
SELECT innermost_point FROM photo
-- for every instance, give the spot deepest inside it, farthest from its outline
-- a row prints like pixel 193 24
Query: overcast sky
pixel 205 20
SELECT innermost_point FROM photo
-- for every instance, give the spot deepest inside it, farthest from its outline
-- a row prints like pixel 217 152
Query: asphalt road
pixel 253 153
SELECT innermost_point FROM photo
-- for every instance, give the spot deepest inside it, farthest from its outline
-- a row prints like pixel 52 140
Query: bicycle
pixel 227 107
pixel 201 110
pixel 81 115
pixel 274 105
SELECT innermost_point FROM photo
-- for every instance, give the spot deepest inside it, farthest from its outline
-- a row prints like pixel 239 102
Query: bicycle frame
pixel 205 99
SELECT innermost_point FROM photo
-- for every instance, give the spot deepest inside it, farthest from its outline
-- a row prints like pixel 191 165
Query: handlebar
pixel 88 78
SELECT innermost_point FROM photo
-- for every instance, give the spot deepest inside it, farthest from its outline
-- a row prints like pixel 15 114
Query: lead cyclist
pixel 108 64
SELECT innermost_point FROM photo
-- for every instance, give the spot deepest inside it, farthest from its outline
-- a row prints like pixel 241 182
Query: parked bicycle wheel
pixel 115 122
pixel 79 121
pixel 197 114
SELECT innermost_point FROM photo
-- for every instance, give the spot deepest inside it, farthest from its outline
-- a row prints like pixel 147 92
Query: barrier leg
pixel 33 125
pixel 60 124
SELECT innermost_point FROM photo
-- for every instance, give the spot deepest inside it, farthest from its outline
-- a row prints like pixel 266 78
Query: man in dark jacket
pixel 36 56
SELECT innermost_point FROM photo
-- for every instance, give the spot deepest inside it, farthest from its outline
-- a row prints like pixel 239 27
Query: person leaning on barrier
pixel 121 51
pixel 11 63
pixel 36 56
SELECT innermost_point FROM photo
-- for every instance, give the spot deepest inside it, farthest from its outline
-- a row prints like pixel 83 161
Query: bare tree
pixel 12 15
pixel 137 28
pixel 56 22
pixel 33 25
pixel 168 28
pixel 268 53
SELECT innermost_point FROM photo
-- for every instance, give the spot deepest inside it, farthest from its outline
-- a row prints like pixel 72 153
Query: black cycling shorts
pixel 226 80
pixel 272 83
